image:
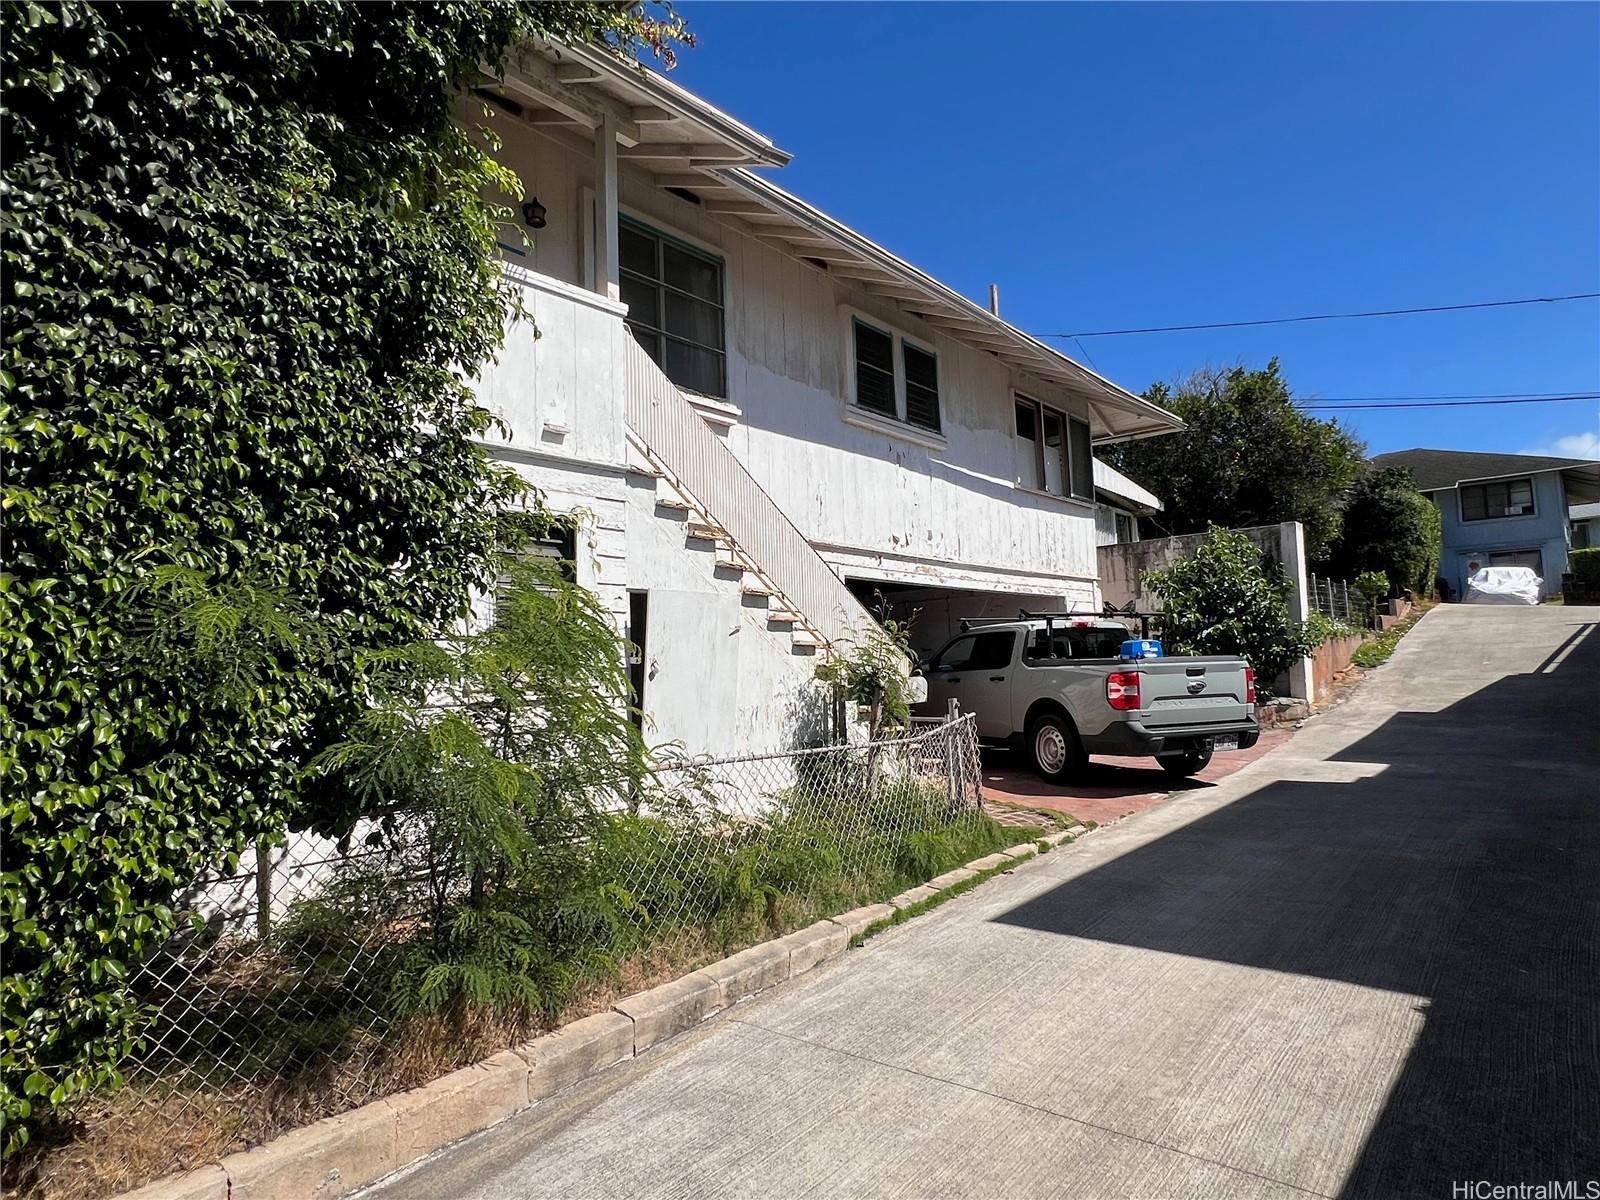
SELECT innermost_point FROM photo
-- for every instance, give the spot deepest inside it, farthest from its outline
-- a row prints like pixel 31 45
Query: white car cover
pixel 1504 585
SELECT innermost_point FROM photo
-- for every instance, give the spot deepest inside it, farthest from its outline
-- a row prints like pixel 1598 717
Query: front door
pixel 976 670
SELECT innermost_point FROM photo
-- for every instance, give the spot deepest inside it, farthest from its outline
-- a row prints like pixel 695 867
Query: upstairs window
pixel 675 310
pixel 1490 501
pixel 875 370
pixel 903 386
pixel 922 387
pixel 1053 452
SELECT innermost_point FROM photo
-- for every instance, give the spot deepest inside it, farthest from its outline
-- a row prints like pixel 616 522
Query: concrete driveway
pixel 1365 965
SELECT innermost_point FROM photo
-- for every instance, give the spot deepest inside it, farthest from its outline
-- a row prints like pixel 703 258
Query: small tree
pixel 1224 599
pixel 1248 457
pixel 1373 587
pixel 871 673
pixel 1388 526
pixel 491 759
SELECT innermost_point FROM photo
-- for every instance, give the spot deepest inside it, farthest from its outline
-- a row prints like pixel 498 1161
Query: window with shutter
pixel 875 370
pixel 894 378
pixel 922 387
pixel 674 296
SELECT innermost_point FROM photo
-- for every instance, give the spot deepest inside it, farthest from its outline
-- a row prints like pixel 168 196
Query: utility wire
pixel 1456 396
pixel 1386 312
pixel 1310 405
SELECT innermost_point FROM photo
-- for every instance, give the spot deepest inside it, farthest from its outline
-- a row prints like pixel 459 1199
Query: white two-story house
pixel 771 428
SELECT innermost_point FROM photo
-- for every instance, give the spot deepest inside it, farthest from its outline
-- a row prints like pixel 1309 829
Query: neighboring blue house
pixel 1500 510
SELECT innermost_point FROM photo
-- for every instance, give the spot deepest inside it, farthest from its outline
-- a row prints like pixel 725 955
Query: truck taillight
pixel 1249 685
pixel 1122 690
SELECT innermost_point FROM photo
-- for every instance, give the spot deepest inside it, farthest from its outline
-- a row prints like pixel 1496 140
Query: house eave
pixel 1119 414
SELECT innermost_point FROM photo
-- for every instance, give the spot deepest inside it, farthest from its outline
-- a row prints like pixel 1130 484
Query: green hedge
pixel 1586 568
pixel 247 265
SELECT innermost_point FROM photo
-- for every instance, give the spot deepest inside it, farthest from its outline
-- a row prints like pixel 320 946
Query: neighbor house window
pixel 674 298
pixel 1053 453
pixel 1125 528
pixel 1487 501
pixel 904 386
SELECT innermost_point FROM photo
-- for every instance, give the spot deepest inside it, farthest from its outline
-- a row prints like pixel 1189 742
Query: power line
pixel 1310 405
pixel 1385 312
pixel 1453 396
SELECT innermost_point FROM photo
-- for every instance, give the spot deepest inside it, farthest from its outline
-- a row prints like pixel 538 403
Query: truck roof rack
pixel 1108 611
pixel 1128 612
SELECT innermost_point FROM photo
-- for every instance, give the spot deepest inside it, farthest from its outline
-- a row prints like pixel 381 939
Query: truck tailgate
pixel 1175 692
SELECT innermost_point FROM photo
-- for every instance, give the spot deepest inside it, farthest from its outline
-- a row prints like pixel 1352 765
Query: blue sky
pixel 1152 164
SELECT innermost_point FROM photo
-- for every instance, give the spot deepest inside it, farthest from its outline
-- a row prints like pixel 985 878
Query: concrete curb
pixel 339 1155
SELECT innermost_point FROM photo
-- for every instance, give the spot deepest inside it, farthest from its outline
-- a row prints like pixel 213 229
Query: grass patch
pixel 902 915
pixel 262 1037
pixel 1375 651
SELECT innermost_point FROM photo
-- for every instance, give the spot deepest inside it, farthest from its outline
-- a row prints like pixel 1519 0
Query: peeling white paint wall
pixel 952 508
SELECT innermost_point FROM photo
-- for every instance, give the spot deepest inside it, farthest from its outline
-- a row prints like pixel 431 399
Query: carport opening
pixel 934 614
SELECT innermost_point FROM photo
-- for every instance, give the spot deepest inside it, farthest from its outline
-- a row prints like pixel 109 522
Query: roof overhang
pixel 687 145
pixel 1125 491
pixel 780 218
pixel 574 89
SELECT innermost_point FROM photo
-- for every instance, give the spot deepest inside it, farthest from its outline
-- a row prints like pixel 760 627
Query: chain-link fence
pixel 292 989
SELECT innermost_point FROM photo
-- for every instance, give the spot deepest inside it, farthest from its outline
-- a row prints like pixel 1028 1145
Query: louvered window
pixel 674 298
pixel 903 385
pixel 922 387
pixel 875 370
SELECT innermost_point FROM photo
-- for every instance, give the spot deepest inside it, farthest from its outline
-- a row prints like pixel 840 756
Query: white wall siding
pixel 718 677
pixel 950 501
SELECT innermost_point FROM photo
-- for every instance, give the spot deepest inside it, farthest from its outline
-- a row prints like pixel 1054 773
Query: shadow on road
pixel 1465 870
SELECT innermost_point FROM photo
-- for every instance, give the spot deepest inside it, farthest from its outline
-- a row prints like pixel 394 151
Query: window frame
pixel 897 423
pixel 662 238
pixel 1070 423
pixel 1484 486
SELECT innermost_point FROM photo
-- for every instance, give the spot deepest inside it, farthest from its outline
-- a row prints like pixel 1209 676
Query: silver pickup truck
pixel 1057 688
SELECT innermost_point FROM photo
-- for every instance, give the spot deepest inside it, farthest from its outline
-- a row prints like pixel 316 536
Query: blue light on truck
pixel 1135 648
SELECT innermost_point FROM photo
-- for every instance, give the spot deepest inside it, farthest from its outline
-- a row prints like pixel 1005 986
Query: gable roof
pixel 1437 470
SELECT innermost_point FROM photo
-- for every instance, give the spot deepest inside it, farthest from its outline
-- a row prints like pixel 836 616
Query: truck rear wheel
pixel 1189 762
pixel 1053 742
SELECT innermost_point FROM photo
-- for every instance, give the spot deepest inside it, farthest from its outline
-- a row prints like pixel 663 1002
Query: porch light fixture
pixel 533 213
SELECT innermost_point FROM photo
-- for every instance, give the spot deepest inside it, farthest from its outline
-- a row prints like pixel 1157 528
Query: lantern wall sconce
pixel 533 213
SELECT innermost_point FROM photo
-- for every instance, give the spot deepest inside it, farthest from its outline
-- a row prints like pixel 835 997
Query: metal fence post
pixel 954 767
pixel 263 889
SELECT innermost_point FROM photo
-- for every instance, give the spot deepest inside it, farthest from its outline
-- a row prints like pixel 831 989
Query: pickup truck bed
pixel 1059 693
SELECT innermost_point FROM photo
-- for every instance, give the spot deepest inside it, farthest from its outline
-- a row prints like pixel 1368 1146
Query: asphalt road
pixel 1366 965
